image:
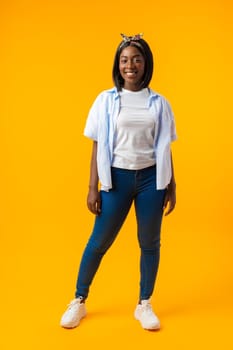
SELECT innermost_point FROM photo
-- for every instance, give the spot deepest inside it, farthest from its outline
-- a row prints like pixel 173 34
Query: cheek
pixel 121 70
pixel 143 69
pixel 121 66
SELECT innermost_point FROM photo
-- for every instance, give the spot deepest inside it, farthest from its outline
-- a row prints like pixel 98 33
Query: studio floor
pixel 196 312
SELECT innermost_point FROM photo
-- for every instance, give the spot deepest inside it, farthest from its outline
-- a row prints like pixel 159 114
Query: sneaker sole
pixel 155 328
pixel 74 325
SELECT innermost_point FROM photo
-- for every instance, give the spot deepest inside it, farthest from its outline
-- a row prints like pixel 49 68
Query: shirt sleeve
pixel 91 127
pixel 170 115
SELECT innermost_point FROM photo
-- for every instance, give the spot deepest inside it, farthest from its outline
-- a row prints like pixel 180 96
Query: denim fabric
pixel 138 186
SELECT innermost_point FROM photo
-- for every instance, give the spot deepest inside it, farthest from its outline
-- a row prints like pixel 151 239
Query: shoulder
pixel 156 96
pixel 163 105
pixel 105 100
pixel 160 100
pixel 108 94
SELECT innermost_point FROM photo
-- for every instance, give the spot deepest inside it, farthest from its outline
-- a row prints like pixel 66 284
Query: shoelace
pixel 75 301
pixel 148 309
pixel 72 303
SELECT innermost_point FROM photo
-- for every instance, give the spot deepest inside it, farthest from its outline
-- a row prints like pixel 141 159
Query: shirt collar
pixel 152 94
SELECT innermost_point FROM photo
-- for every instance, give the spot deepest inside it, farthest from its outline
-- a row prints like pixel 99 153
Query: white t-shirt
pixel 135 132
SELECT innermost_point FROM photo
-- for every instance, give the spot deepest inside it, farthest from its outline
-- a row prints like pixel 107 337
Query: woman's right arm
pixel 93 197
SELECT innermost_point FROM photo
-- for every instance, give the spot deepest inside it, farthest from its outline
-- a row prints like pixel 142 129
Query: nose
pixel 130 63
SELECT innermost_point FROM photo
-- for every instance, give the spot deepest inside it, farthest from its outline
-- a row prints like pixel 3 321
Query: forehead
pixel 130 51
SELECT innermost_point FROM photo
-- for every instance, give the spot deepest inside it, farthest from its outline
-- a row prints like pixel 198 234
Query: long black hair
pixel 145 50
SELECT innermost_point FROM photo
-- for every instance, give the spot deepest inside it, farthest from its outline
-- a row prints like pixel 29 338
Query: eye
pixel 123 61
pixel 137 60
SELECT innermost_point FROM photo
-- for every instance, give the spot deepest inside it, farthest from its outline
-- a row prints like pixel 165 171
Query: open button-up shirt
pixel 100 127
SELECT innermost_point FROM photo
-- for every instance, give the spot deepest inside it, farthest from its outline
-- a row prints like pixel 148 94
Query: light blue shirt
pixel 100 127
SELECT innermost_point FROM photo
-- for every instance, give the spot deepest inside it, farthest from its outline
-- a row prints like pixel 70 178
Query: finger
pixel 92 208
pixel 95 208
pixel 166 200
pixel 168 211
pixel 170 208
pixel 98 206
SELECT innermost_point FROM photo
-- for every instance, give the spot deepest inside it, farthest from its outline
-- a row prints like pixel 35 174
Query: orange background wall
pixel 55 57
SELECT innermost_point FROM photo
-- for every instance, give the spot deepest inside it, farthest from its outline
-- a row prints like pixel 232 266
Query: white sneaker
pixel 146 316
pixel 75 312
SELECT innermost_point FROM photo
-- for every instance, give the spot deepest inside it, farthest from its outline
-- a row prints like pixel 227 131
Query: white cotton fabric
pixel 135 132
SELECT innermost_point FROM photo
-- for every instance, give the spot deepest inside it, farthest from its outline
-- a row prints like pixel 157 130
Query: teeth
pixel 130 73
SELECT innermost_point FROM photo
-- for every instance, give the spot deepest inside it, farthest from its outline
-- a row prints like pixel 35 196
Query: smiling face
pixel 132 67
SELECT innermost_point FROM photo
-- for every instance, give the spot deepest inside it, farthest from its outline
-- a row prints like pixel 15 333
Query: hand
pixel 94 201
pixel 170 199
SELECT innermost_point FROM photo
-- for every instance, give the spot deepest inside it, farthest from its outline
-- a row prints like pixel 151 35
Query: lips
pixel 131 74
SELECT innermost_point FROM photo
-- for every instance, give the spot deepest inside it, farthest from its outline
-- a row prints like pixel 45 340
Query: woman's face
pixel 131 66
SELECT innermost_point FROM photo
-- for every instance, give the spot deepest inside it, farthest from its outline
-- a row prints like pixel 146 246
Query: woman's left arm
pixel 170 198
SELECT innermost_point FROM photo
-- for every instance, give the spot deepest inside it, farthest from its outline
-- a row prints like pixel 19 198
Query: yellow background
pixel 55 57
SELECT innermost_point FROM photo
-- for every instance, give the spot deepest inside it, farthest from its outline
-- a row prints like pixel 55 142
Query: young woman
pixel 132 128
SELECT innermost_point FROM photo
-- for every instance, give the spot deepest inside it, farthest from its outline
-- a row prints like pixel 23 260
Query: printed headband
pixel 131 39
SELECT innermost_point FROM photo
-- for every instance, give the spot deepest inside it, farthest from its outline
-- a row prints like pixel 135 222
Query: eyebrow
pixel 132 56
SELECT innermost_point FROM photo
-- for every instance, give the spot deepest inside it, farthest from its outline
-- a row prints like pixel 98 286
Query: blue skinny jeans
pixel 138 186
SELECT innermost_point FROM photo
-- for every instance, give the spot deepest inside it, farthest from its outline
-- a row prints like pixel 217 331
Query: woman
pixel 132 128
